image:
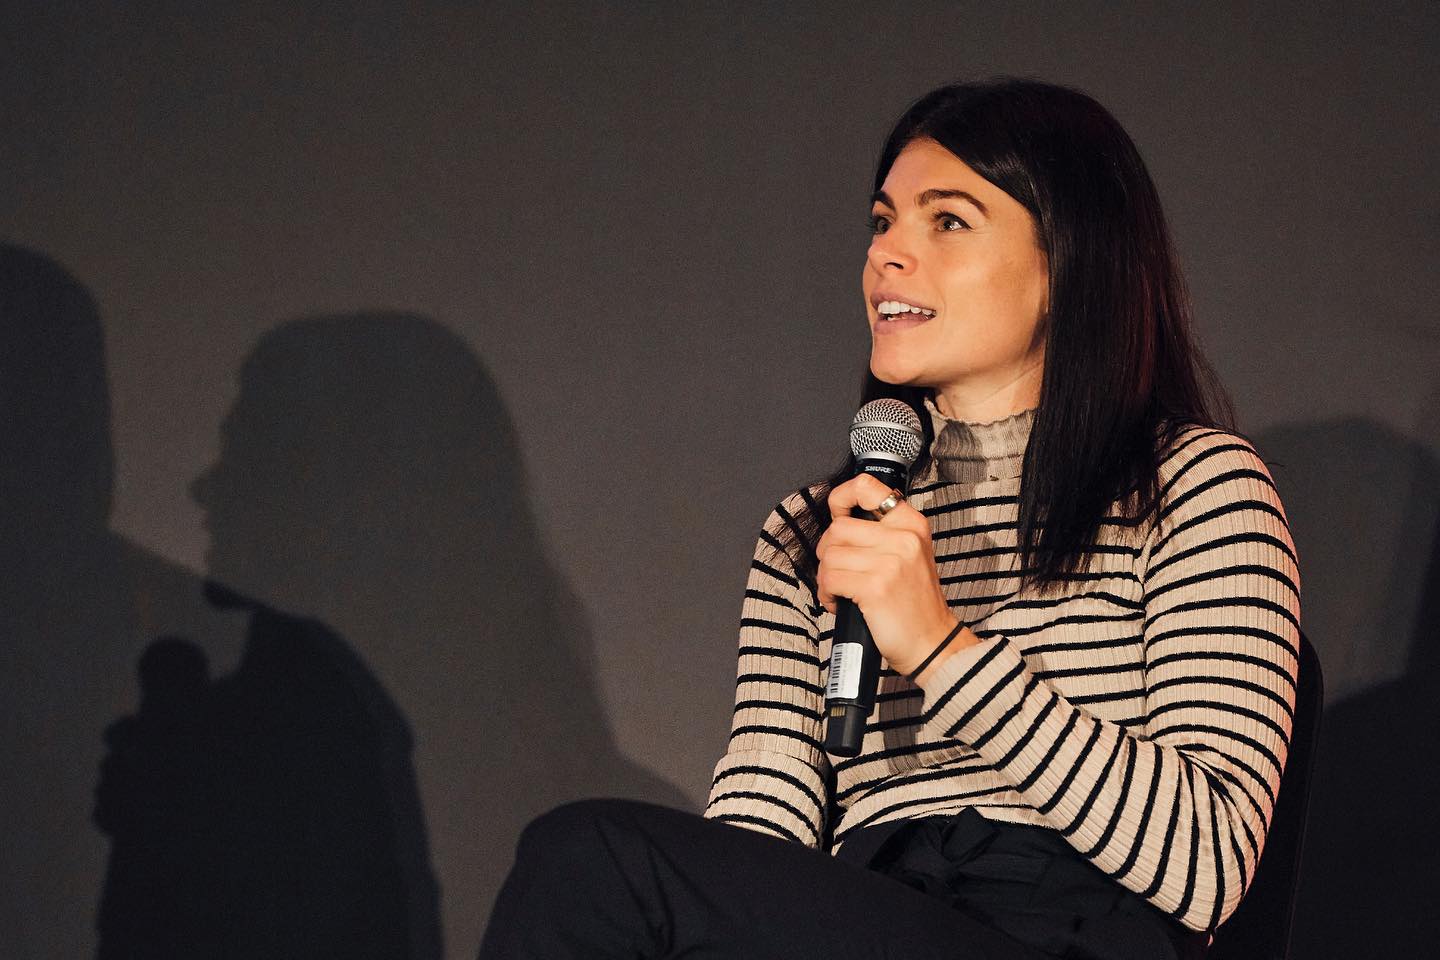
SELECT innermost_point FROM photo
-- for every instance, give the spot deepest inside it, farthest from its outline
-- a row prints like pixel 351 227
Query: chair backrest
pixel 1259 929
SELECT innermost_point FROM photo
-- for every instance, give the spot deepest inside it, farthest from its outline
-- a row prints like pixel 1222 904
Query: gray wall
pixel 592 272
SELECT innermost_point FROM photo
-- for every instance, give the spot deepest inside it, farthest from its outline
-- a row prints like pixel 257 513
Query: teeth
pixel 892 307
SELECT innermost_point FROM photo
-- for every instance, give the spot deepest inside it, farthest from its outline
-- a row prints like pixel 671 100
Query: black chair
pixel 1259 929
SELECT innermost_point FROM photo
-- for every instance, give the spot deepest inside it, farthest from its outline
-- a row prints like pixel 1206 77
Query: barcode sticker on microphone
pixel 844 671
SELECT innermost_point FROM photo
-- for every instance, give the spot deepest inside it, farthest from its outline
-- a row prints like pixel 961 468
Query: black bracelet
pixel 934 653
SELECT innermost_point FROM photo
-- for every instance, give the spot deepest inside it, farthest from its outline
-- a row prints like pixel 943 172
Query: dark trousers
pixel 617 878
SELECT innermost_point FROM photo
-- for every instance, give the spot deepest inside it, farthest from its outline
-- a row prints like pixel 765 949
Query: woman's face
pixel 948 240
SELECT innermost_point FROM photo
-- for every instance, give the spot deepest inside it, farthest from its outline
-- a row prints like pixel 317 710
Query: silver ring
pixel 889 503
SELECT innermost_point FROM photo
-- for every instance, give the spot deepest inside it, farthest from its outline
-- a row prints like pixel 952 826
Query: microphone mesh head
pixel 886 426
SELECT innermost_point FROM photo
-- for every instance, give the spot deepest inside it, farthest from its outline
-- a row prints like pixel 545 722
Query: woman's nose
pixel 890 252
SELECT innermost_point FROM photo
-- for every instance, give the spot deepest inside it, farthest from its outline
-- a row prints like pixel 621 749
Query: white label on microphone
pixel 844 671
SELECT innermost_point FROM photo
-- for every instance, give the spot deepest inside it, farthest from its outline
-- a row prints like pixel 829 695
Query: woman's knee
pixel 575 829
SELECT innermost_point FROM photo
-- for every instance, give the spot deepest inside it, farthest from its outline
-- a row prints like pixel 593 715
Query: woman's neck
pixel 974 452
pixel 975 403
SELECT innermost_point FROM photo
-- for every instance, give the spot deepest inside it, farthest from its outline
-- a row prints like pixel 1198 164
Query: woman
pixel 1088 606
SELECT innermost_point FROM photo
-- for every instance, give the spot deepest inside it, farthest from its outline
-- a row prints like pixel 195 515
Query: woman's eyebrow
pixel 930 196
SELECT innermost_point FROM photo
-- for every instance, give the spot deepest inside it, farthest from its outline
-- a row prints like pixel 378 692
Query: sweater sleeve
pixel 773 775
pixel 1176 809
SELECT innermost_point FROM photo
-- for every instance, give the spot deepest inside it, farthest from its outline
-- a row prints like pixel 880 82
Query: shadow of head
pixel 365 449
pixel 56 462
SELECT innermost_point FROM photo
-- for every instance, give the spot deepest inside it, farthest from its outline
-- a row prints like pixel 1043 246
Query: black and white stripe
pixel 1145 713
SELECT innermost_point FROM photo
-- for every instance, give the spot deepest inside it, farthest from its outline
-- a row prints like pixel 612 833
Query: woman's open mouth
pixel 894 315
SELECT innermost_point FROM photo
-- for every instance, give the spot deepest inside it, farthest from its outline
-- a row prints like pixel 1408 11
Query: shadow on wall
pixel 269 813
pixel 368 513
pixel 1363 502
pixel 77 605
pixel 370 478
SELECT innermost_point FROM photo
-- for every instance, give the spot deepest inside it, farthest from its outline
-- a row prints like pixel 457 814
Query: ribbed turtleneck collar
pixel 965 452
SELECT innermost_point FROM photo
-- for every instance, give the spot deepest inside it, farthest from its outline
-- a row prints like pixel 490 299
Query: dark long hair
pixel 1123 374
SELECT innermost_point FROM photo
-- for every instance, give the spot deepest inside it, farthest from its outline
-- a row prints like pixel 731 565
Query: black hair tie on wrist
pixel 934 653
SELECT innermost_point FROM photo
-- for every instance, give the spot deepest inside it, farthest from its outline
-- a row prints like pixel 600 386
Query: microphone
pixel 885 439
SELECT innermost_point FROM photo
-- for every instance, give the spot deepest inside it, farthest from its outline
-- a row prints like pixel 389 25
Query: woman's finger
pixel 836 584
pixel 846 529
pixel 850 531
pixel 867 493
pixel 896 536
pixel 849 557
pixel 855 573
pixel 862 490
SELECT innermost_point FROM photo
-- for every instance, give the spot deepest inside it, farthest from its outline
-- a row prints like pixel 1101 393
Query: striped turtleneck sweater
pixel 1144 712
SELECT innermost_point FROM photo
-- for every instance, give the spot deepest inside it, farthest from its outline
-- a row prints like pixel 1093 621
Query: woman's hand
pixel 888 569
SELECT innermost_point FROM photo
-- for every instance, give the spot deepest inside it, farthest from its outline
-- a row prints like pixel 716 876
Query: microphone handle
pixel 854 659
pixel 854 672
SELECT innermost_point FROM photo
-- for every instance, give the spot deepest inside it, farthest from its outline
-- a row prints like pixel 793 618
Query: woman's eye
pixel 947 218
pixel 948 223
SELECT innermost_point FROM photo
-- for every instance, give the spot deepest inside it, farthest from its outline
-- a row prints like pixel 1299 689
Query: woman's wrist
pixel 955 638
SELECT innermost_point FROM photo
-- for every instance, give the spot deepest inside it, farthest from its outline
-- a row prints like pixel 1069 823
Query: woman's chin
pixel 900 374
